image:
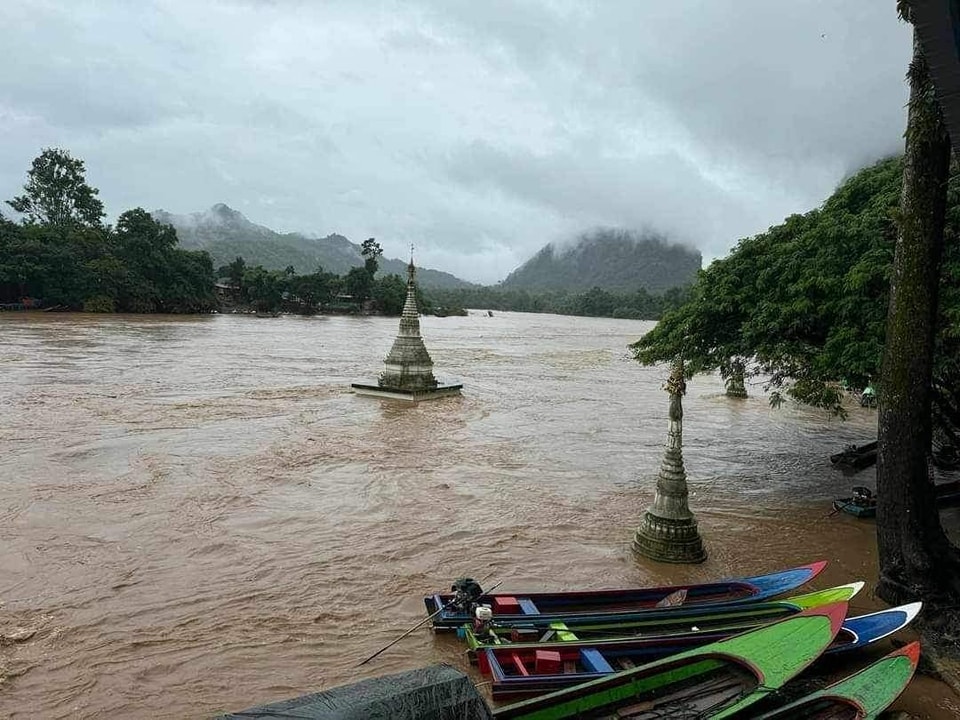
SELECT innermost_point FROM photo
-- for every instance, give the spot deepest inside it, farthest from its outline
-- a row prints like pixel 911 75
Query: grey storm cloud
pixel 476 131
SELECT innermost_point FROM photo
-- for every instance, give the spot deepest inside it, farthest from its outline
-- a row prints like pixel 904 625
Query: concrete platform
pixel 374 390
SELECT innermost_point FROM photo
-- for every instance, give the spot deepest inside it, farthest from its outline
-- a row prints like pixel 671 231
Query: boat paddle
pixel 428 617
pixel 848 503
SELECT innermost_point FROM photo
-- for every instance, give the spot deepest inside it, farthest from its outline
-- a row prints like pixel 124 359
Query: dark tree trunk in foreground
pixel 917 561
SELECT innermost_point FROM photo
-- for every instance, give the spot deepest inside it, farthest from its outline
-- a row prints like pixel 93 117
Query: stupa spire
pixel 411 312
pixel 408 367
pixel 668 531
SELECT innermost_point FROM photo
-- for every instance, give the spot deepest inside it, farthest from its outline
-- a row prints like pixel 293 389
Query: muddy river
pixel 197 515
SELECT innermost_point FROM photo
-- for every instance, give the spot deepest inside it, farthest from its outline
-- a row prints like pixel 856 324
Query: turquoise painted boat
pixel 863 503
pixel 728 620
pixel 714 681
pixel 861 696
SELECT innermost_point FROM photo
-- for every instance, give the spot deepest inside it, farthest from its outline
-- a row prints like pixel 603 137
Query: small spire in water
pixel 668 531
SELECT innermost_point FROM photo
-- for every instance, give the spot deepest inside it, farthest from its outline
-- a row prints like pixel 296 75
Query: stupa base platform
pixel 441 390
pixel 669 541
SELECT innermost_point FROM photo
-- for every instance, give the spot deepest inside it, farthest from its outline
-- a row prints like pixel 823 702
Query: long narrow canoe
pixel 867 629
pixel 524 672
pixel 727 619
pixel 584 605
pixel 714 681
pixel 862 696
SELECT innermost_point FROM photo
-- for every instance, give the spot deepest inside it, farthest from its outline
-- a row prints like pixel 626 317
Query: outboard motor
pixel 466 591
pixel 483 621
pixel 862 496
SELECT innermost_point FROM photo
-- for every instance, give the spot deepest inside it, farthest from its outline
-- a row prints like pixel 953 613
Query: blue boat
pixel 449 611
pixel 863 630
pixel 533 670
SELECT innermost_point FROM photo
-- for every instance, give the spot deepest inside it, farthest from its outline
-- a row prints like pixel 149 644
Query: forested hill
pixel 610 259
pixel 226 234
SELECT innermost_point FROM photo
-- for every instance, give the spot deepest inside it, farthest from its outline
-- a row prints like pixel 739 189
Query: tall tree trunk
pixel 916 558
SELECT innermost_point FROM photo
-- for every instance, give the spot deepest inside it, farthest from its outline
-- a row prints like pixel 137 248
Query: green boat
pixel 861 696
pixel 729 620
pixel 713 681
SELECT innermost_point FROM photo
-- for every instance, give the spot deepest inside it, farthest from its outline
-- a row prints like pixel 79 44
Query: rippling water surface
pixel 196 515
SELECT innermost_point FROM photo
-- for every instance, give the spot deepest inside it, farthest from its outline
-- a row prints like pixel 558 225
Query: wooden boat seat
pixel 547 662
pixel 518 664
pixel 593 661
pixel 563 633
pixel 527 606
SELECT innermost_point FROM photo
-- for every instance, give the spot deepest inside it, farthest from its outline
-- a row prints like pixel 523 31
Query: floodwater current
pixel 197 515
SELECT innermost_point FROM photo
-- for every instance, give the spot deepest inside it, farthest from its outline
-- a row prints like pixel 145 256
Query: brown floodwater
pixel 197 516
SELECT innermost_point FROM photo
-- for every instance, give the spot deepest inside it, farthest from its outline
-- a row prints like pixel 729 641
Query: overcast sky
pixel 479 130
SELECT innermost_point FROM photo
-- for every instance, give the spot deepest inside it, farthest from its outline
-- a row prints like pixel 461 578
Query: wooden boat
pixel 518 672
pixel 453 610
pixel 855 458
pixel 863 503
pixel 736 618
pixel 714 681
pixel 861 696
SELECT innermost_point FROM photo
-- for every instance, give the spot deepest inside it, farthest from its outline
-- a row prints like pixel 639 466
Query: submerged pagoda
pixel 668 531
pixel 408 368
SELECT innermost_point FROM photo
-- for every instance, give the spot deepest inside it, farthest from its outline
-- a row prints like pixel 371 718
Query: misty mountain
pixel 225 233
pixel 611 259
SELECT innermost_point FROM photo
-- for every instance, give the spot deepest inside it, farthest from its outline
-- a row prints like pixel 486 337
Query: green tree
pixel 43 262
pixel 265 288
pixel 371 252
pixel 806 300
pixel 191 283
pixel 160 277
pixel 144 246
pixel 62 255
pixel 57 193
pixel 389 294
pixel 358 283
pixel 596 302
pixel 235 272
pixel 315 290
